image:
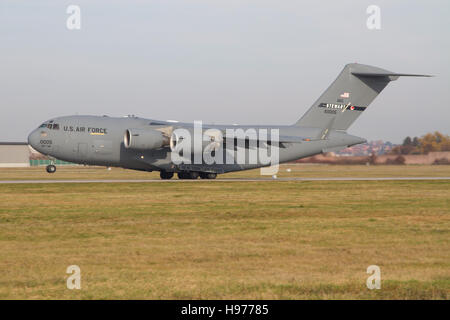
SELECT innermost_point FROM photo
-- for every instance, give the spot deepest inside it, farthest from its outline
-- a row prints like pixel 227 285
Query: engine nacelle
pixel 144 139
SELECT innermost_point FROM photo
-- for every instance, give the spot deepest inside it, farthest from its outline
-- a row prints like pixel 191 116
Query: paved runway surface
pixel 226 180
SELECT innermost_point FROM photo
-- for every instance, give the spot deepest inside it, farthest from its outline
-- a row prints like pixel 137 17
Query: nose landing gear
pixel 50 168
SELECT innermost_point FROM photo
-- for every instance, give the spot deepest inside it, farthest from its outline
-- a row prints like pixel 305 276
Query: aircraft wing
pixel 293 139
pixel 282 139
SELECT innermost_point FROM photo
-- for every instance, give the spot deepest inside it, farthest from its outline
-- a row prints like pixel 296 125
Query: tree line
pixel 429 142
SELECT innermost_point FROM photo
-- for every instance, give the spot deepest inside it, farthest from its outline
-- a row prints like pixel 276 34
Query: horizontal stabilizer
pixel 387 74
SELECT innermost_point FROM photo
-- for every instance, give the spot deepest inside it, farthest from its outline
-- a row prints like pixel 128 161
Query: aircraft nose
pixel 33 139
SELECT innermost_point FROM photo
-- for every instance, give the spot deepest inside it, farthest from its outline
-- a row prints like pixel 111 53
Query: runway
pixel 224 180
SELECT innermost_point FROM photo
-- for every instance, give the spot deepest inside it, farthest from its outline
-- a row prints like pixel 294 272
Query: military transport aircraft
pixel 150 145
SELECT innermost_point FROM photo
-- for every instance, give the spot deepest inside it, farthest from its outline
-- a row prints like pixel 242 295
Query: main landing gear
pixel 192 175
pixel 208 175
pixel 188 175
pixel 165 175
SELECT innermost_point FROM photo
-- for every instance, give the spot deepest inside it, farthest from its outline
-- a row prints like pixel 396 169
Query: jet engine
pixel 144 139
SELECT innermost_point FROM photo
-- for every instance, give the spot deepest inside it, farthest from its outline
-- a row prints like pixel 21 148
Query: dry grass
pixel 281 240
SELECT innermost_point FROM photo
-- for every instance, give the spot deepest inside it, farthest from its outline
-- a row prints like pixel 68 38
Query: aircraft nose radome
pixel 33 139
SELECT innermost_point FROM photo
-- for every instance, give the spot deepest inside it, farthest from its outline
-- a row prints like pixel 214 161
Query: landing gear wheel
pixel 194 175
pixel 211 175
pixel 166 175
pixel 50 168
pixel 182 175
pixel 208 175
pixel 188 175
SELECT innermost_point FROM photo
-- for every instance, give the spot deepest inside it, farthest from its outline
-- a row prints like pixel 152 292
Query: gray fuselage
pixel 99 140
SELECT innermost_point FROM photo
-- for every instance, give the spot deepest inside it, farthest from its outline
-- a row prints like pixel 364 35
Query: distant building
pixel 38 159
pixel 14 154
pixel 366 149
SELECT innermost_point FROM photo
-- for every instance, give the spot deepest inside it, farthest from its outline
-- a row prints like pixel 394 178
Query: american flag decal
pixel 345 95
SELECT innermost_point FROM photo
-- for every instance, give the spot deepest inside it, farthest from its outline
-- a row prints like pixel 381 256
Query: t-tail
pixel 348 96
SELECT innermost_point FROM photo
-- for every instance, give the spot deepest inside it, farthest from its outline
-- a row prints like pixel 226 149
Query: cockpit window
pixel 52 126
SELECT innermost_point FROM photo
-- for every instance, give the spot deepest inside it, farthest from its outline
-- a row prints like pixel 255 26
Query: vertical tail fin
pixel 348 96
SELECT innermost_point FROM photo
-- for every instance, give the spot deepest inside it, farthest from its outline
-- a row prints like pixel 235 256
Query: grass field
pixel 236 240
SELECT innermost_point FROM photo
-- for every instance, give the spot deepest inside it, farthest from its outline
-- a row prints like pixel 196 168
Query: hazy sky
pixel 220 61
